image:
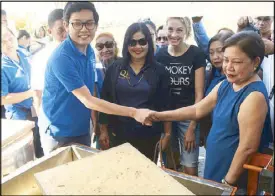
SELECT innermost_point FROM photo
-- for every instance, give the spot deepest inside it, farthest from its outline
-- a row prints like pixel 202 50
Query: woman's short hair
pixel 221 37
pixel 250 43
pixel 186 23
pixel 36 32
pixel 132 29
pixel 110 35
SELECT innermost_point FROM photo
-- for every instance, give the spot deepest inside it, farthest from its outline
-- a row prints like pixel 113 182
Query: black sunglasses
pixel 141 42
pixel 108 44
pixel 160 38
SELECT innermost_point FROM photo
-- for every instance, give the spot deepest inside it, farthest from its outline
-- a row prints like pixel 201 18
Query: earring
pixel 255 68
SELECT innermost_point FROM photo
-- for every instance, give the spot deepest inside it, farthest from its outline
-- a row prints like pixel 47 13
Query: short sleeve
pixel 64 68
pixel 199 59
pixel 4 83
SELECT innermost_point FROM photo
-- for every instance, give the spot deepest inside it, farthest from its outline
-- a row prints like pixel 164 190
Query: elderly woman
pixel 137 81
pixel 16 94
pixel 240 111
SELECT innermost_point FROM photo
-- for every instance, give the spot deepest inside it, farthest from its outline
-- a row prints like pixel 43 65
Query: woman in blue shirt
pixel 216 57
pixel 16 94
pixel 137 81
pixel 241 123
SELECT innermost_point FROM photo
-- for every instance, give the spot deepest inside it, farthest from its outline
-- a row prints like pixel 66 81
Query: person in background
pixel 69 90
pixel 107 50
pixel 40 59
pixel 24 41
pixel 16 94
pixel 186 66
pixel 215 48
pixel 136 80
pixel 162 39
pixel 235 136
pixel 153 31
pixel 262 24
pixel 4 20
pixel 107 53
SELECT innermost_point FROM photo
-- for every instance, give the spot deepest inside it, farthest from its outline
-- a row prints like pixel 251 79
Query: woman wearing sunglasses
pixel 162 39
pixel 185 64
pixel 138 81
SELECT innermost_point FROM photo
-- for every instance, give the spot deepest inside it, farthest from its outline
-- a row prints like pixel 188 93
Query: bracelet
pixel 225 182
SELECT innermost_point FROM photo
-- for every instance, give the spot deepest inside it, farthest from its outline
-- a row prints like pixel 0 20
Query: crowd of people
pixel 218 94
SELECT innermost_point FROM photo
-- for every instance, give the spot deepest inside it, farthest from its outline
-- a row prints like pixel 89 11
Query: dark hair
pixel 251 27
pixel 250 43
pixel 72 7
pixel 3 12
pixel 220 37
pixel 56 14
pixel 160 28
pixel 225 29
pixel 22 33
pixel 132 29
pixel 149 22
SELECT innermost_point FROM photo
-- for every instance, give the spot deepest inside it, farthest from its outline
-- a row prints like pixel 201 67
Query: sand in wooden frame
pixel 118 171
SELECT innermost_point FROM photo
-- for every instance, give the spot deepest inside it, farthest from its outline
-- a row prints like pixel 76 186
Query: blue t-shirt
pixel 218 77
pixel 15 78
pixel 223 139
pixel 67 69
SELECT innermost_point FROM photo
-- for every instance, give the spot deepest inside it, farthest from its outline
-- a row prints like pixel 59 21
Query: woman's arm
pixel 194 112
pixel 13 98
pixel 251 119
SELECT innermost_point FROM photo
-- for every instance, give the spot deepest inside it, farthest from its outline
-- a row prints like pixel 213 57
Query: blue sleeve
pixel 201 37
pixel 4 83
pixel 64 68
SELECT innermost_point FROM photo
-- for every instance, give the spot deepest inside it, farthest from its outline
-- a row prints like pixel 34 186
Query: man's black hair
pixel 22 33
pixel 56 14
pixel 72 7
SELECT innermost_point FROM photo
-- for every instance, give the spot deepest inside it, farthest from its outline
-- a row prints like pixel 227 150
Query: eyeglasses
pixel 90 25
pixel 108 44
pixel 162 38
pixel 141 42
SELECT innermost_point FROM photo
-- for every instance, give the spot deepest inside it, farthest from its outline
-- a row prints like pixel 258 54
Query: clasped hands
pixel 145 116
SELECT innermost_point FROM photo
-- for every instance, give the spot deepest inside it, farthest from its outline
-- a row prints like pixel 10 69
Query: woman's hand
pixel 190 139
pixel 142 116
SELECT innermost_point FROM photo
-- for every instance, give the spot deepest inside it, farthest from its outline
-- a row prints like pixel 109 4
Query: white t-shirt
pixel 268 79
pixel 39 63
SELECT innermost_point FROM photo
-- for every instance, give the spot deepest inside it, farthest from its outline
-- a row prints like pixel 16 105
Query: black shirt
pixel 182 74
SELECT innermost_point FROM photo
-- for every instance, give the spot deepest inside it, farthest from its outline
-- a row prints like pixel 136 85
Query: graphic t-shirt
pixel 182 74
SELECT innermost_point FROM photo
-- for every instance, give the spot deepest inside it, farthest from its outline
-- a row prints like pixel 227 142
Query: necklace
pixel 133 85
pixel 125 75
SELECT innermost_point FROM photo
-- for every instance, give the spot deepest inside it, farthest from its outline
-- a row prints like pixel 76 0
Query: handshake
pixel 146 116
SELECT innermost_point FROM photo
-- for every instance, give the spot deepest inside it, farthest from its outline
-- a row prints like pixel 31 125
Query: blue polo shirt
pixel 67 69
pixel 15 78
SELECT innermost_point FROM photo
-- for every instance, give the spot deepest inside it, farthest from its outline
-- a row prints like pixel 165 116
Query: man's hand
pixel 196 19
pixel 141 115
pixel 165 141
pixel 189 139
pixel 269 46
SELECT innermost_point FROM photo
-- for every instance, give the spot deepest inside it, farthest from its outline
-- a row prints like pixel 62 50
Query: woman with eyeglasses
pixel 162 39
pixel 137 81
pixel 186 65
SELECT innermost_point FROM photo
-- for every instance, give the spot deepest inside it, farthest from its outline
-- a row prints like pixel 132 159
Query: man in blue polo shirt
pixel 69 84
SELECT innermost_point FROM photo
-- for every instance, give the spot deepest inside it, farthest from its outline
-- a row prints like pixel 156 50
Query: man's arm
pixel 13 98
pixel 37 96
pixel 251 119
